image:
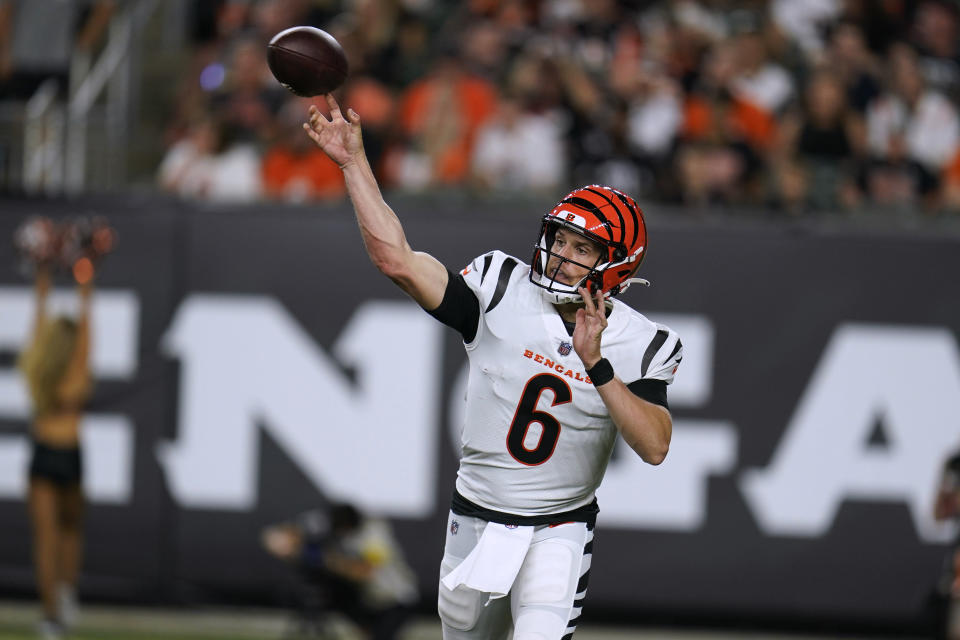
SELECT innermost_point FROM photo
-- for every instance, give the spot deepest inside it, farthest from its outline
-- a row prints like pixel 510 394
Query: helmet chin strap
pixel 645 283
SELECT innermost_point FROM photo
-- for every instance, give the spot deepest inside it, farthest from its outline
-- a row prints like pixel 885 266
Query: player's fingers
pixel 587 299
pixel 315 115
pixel 353 115
pixel 318 119
pixel 312 132
pixel 334 107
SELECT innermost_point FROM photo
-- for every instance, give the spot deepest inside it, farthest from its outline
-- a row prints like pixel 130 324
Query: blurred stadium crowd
pixel 792 106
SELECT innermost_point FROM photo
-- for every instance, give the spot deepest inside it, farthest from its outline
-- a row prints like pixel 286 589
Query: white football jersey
pixel 537 436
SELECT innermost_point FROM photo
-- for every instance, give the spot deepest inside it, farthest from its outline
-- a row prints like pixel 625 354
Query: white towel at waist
pixel 493 564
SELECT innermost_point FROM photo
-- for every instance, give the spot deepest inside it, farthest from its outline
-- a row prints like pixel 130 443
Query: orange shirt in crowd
pixel 951 172
pixel 755 125
pixel 443 114
pixel 308 176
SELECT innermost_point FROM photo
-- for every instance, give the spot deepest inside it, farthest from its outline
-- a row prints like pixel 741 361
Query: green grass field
pixel 18 619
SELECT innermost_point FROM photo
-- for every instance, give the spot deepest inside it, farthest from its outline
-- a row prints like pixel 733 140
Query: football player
pixel 558 368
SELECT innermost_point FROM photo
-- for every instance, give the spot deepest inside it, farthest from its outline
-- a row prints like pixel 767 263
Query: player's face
pixel 580 254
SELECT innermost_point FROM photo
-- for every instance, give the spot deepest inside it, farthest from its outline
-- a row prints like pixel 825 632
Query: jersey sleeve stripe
pixel 652 349
pixel 487 260
pixel 502 280
pixel 675 350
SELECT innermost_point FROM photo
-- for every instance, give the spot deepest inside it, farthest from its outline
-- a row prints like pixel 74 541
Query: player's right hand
pixel 340 138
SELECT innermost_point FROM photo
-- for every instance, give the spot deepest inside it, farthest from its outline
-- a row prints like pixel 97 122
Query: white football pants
pixel 547 595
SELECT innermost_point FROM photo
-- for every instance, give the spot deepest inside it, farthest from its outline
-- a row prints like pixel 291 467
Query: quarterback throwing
pixel 559 369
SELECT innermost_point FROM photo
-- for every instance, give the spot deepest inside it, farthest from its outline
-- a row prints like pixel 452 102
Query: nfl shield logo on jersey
pixel 454 527
pixel 564 348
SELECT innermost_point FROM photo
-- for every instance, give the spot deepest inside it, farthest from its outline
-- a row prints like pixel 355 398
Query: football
pixel 307 61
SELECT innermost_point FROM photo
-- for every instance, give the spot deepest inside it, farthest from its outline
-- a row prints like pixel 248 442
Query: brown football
pixel 307 61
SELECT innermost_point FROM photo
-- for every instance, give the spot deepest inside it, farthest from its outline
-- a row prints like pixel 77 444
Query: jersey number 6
pixel 526 414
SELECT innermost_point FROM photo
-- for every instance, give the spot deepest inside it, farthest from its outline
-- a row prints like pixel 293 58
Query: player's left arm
pixel 646 427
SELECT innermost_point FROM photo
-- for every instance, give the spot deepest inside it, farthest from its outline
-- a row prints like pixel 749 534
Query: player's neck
pixel 568 310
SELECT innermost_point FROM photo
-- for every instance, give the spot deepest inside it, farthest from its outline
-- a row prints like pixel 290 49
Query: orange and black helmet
pixel 609 218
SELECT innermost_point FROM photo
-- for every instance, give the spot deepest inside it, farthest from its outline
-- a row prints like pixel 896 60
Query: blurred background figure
pixel 294 170
pixel 210 163
pixel 821 144
pixel 56 368
pixel 912 135
pixel 439 117
pixel 518 151
pixel 947 509
pixel 936 38
pixel 350 564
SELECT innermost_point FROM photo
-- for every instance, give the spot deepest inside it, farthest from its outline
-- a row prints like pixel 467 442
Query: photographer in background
pixel 351 564
pixel 947 509
pixel 56 369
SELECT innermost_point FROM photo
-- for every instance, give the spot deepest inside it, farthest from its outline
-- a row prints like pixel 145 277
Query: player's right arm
pixel 419 274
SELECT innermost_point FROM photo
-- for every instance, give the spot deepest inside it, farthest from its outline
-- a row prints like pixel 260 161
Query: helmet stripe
pixel 592 208
pixel 637 220
pixel 623 231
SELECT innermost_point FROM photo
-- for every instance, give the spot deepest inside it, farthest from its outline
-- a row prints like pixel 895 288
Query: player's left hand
pixel 591 321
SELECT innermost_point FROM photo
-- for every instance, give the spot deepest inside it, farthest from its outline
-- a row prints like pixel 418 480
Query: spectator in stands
pixel 936 38
pixel 407 57
pixel 518 151
pixel 355 562
pixel 208 165
pixel 805 22
pixel 821 145
pixel 378 104
pixel 724 137
pixel 439 117
pixel 883 23
pixel 758 79
pixel 250 99
pixel 913 133
pixel 295 170
pixel 270 17
pixel 854 64
pixel 653 100
pixel 485 50
pixel 682 98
